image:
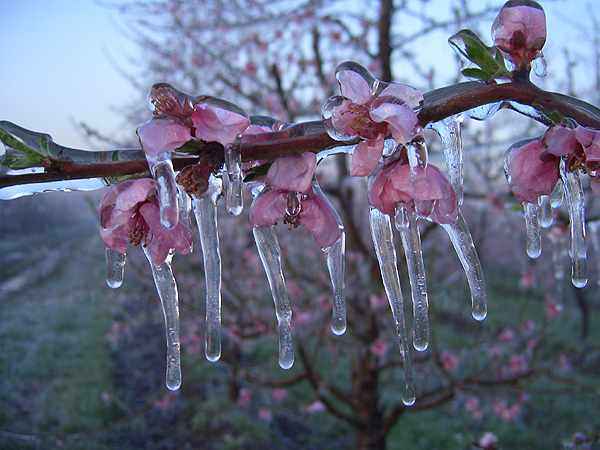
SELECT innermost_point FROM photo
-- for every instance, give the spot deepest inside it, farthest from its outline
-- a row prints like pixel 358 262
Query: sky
pixel 58 62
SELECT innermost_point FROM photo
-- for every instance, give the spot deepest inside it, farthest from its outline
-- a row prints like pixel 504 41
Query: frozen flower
pixel 590 141
pixel 519 31
pixel 290 197
pixel 531 171
pixel 560 141
pixel 218 124
pixel 370 110
pixel 426 189
pixel 129 215
pixel 162 135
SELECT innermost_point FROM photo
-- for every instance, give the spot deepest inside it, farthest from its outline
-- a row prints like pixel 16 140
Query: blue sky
pixel 55 65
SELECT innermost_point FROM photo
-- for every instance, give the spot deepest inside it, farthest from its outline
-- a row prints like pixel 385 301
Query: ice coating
pixel 406 223
pixel 532 230
pixel 461 239
pixel 546 217
pixel 115 268
pixel 205 210
pixel 450 134
pixel 383 239
pixel 270 256
pixel 169 300
pixel 234 199
pixel 336 266
pixel 575 202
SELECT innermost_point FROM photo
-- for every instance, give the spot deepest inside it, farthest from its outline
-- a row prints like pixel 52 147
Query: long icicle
pixel 406 223
pixel 532 230
pixel 167 291
pixel 461 239
pixel 383 239
pixel 595 235
pixel 575 199
pixel 270 256
pixel 336 265
pixel 205 210
pixel 162 171
pixel 546 217
pixel 115 268
pixel 556 198
pixel 450 134
pixel 234 198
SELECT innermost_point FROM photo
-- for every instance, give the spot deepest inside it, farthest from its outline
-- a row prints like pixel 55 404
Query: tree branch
pixel 70 164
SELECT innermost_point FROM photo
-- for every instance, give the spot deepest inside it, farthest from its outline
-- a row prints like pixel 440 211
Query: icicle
pixel 594 230
pixel 556 198
pixel 270 256
pixel 234 199
pixel 574 196
pixel 546 217
pixel 383 239
pixel 336 266
pixel 115 267
pixel 461 239
pixel 167 291
pixel 185 205
pixel 532 230
pixel 540 66
pixel 205 210
pixel 406 223
pixel 162 171
pixel 449 131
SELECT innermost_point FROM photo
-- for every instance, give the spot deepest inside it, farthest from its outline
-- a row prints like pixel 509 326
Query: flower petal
pixel 365 157
pixel 214 124
pixel 353 86
pixel 590 141
pixel 292 173
pixel 162 135
pixel 409 95
pixel 402 119
pixel 531 176
pixel 268 208
pixel 321 220
pixel 560 140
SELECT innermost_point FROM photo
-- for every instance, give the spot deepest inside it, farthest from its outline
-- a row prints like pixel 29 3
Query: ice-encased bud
pixel 520 31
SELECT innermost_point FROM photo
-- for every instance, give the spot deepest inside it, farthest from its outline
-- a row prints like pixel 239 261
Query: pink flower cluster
pixel 129 215
pixel 372 111
pixel 290 197
pixel 533 165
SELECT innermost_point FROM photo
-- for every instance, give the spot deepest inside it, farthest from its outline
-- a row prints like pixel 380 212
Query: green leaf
pixel 471 47
pixel 478 74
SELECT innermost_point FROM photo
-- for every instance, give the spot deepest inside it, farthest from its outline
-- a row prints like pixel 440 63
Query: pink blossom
pixel 590 141
pixel 488 441
pixel 372 116
pixel 162 135
pixel 473 408
pixel 426 189
pixel 315 407
pixel 379 348
pixel 449 361
pixel 520 31
pixel 216 124
pixel 505 412
pixel 129 214
pixel 265 414
pixel 279 394
pixel 290 198
pixel 532 172
pixel 560 140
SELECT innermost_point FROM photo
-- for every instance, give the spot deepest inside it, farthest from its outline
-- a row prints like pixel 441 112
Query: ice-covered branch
pixel 27 149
